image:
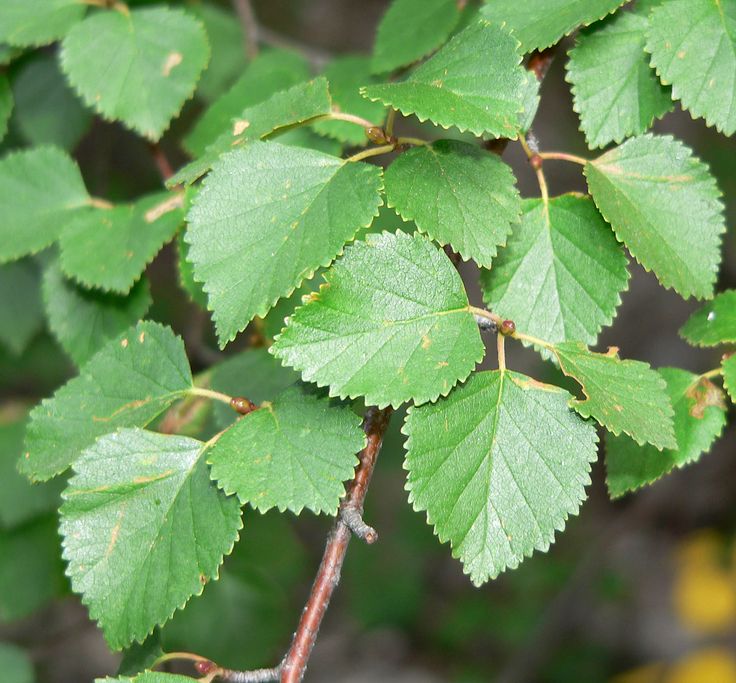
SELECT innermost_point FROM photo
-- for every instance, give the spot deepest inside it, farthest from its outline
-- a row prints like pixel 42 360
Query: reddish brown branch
pixel 250 26
pixel 162 161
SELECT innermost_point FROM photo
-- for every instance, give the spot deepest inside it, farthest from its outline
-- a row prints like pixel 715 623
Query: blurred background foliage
pixel 638 591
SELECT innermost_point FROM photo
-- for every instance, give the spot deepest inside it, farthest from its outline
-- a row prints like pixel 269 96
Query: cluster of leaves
pixel 497 459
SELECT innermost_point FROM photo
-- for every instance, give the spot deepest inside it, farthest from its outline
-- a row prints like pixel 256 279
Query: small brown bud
pixel 205 667
pixel 507 328
pixel 376 135
pixel 536 161
pixel 242 405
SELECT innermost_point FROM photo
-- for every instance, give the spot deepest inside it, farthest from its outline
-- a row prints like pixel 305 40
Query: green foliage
pixel 664 205
pixel 498 466
pixel 40 22
pixel 84 320
pixel 474 83
pixel 615 90
pixel 457 194
pixel 565 261
pixel 21 310
pixel 693 48
pixel 363 335
pixel 540 23
pixel 39 190
pixel 307 205
pixel 714 323
pixel 729 376
pixel 128 383
pixel 15 664
pixel 292 453
pixel 410 30
pixel 699 419
pixel 624 396
pixel 6 104
pixel 123 238
pixel 137 67
pixel 144 529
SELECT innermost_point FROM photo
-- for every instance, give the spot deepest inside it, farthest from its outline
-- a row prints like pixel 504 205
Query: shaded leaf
pixel 664 205
pixel 729 376
pixel 28 24
pixel 714 323
pixel 386 334
pixel 128 383
pixel 15 664
pixel 6 104
pixel 699 419
pixel 144 528
pixel 21 309
pixel 499 465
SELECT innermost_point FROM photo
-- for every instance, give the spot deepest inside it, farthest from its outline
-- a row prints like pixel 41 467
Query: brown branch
pixel 162 161
pixel 247 17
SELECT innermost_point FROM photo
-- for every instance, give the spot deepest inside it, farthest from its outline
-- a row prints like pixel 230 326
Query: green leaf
pixel 20 501
pixel 275 321
pixel 83 321
pixel 186 273
pixel 227 44
pixel 530 99
pixel 622 395
pixel 15 664
pixel 693 48
pixel 474 83
pixel 346 75
pixel 269 73
pixel 47 110
pixel 148 677
pixel 561 274
pixel 541 23
pixel 6 104
pixel 389 335
pixel 21 309
pixel 254 374
pixel 40 189
pixel 729 376
pixel 28 24
pixel 664 205
pixel 284 109
pixel 699 419
pixel 293 453
pixel 144 528
pixel 252 248
pixel 30 563
pixel 499 465
pixel 457 194
pixel 615 90
pixel 141 656
pixel 110 248
pixel 410 30
pixel 128 383
pixel 138 67
pixel 714 323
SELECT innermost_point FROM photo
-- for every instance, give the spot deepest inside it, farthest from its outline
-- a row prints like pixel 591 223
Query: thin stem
pixel 372 152
pixel 716 372
pixel 341 116
pixel 564 156
pixel 497 320
pixel 247 17
pixel 417 142
pixel 533 340
pixel 487 315
pixel 177 656
pixel 317 56
pixel 389 127
pixel 209 393
pixel 542 180
pixel 525 146
pixel 162 161
pixel 328 576
pixel 501 347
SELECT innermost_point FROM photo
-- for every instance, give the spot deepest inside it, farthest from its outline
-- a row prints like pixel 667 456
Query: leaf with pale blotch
pixel 664 205
pixel 693 48
pixel 615 91
pixel 138 66
pixel 84 320
pixel 280 111
pixel 392 324
pixel 292 453
pixel 561 274
pixel 21 308
pixel 250 248
pixel 475 83
pixel 128 383
pixel 38 22
pixel 456 193
pixel 270 72
pixel 699 419
pixel 622 395
pixel 123 239
pixel 541 23
pixel 40 190
pixel 714 323
pixel 729 376
pixel 410 30
pixel 144 529
pixel 346 75
pixel 498 465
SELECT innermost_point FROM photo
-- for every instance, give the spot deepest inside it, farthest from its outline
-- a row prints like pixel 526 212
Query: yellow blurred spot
pixel 651 673
pixel 715 665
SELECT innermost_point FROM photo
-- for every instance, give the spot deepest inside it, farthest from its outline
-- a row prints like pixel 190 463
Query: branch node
pixel 353 519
